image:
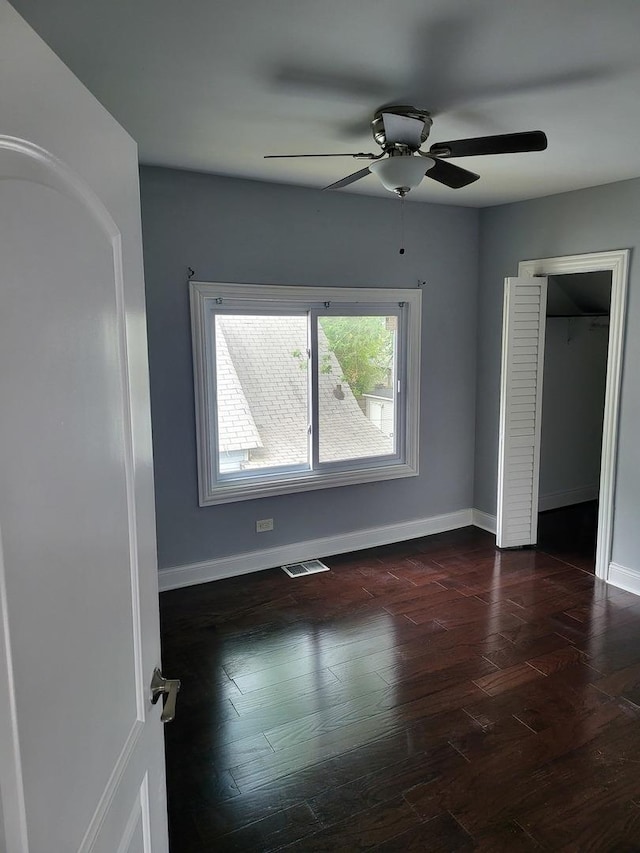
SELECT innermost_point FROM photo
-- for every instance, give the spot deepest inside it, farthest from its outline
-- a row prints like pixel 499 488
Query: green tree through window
pixel 364 346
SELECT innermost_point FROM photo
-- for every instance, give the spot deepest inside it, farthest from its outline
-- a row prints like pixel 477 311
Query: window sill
pixel 232 492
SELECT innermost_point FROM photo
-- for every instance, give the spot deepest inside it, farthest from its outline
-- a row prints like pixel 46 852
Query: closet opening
pixel 573 404
pixel 586 319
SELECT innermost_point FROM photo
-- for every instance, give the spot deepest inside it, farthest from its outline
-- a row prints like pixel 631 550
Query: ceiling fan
pixel 400 132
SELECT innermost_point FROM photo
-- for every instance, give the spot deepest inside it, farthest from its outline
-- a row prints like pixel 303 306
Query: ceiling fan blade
pixel 506 143
pixel 359 156
pixel 350 179
pixel 451 175
pixel 403 129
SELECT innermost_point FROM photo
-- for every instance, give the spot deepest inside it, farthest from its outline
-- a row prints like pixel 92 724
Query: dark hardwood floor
pixel 437 695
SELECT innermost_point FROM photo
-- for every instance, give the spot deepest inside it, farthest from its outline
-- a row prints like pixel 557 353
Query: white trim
pixel 111 788
pixel 139 816
pixel 135 819
pixel 269 558
pixel 146 814
pixel 305 482
pixel 617 262
pixel 300 294
pixel 624 578
pixel 42 167
pixel 554 500
pixel 12 803
pixel 203 294
pixel 126 393
pixel 483 520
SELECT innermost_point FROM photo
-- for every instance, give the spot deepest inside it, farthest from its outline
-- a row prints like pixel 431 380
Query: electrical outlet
pixel 264 524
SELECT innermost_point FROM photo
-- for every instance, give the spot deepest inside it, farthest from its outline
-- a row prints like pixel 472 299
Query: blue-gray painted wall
pixel 246 231
pixel 592 220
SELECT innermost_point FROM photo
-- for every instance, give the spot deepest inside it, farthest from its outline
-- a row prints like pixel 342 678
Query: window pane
pixel 357 380
pixel 262 392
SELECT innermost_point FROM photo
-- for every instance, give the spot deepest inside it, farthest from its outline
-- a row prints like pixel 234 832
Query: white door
pixel 523 328
pixel 81 749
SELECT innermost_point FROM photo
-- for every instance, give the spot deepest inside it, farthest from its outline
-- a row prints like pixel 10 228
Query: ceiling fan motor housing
pixel 377 125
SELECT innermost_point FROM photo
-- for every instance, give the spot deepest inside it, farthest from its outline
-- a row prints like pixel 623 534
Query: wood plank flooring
pixel 436 695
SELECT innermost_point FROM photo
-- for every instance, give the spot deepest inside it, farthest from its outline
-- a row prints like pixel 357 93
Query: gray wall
pixel 575 370
pixel 245 231
pixel 592 220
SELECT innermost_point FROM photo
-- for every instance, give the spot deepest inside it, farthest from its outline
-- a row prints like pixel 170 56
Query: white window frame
pixel 206 297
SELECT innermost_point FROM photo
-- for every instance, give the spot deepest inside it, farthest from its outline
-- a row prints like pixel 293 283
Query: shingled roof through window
pixel 236 427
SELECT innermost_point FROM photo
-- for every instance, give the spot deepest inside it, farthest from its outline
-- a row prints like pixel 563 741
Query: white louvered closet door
pixel 525 304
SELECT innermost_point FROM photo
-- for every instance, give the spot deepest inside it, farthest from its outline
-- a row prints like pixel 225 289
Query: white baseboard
pixel 554 500
pixel 484 520
pixel 551 501
pixel 254 561
pixel 624 578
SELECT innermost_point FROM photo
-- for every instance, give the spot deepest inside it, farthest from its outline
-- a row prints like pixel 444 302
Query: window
pixel 303 388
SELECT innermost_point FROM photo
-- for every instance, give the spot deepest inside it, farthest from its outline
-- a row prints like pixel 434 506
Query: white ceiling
pixel 212 86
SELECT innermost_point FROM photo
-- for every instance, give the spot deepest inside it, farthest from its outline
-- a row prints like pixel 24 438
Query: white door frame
pixel 617 262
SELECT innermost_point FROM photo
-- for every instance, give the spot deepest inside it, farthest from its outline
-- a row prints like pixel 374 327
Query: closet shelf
pixel 573 316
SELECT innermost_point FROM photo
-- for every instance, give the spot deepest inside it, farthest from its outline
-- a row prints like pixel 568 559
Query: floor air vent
pixel 309 567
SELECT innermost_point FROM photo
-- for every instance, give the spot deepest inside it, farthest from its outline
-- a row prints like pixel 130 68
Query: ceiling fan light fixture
pixel 401 173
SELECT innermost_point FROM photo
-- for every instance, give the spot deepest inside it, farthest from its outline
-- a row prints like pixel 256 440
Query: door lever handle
pixel 168 686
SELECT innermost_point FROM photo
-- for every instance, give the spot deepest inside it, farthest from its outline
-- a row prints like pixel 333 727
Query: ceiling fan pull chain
pixel 401 252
